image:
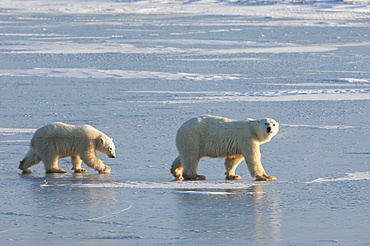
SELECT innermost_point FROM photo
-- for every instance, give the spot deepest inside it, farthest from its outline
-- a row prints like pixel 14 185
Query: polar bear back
pixel 64 138
pixel 213 126
pixel 213 136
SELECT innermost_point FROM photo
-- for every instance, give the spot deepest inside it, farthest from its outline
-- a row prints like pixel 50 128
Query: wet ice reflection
pixel 72 203
pixel 240 214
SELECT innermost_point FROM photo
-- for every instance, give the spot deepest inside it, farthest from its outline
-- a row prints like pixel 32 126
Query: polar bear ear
pixel 102 141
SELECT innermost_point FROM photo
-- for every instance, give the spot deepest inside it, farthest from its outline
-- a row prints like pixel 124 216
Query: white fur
pixel 59 140
pixel 218 137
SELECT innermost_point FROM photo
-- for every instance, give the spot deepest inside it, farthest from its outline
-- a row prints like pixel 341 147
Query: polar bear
pixel 218 137
pixel 59 140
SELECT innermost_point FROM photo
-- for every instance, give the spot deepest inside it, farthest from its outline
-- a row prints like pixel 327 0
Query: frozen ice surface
pixel 137 70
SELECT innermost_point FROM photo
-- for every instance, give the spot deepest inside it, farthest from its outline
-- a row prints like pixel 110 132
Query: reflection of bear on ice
pixel 59 140
pixel 217 137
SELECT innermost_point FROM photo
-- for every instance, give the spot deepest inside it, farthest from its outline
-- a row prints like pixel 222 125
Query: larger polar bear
pixel 58 140
pixel 212 136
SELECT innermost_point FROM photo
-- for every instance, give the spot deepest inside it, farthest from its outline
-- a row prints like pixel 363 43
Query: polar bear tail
pixel 176 169
pixel 30 160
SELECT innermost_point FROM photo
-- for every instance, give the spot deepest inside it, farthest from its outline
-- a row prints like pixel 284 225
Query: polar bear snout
pixel 111 153
pixel 272 127
pixel 111 150
pixel 269 129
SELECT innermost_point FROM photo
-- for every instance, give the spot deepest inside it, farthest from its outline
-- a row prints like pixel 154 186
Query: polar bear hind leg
pixel 51 164
pixel 231 164
pixel 76 162
pixel 30 160
pixel 190 165
pixel 176 169
pixel 187 171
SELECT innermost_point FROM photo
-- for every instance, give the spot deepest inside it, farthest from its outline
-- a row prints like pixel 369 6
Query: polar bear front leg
pixel 76 163
pixel 231 164
pixel 91 160
pixel 252 156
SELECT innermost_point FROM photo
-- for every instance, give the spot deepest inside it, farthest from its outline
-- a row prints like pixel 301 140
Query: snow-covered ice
pixel 137 70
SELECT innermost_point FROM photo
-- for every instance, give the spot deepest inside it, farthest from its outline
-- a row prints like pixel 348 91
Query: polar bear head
pixel 267 129
pixel 106 146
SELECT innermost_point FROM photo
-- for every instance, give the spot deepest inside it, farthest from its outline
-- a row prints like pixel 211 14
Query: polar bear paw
pixel 265 177
pixel 197 177
pixel 59 170
pixel 106 169
pixel 80 170
pixel 233 177
pixel 178 178
pixel 25 171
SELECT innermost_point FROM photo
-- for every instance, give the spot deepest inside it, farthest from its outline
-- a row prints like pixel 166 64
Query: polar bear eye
pixel 273 124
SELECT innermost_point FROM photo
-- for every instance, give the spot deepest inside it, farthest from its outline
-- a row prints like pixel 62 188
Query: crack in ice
pixel 348 177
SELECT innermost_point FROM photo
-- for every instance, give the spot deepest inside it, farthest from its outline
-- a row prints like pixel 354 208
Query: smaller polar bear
pixel 217 137
pixel 59 140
